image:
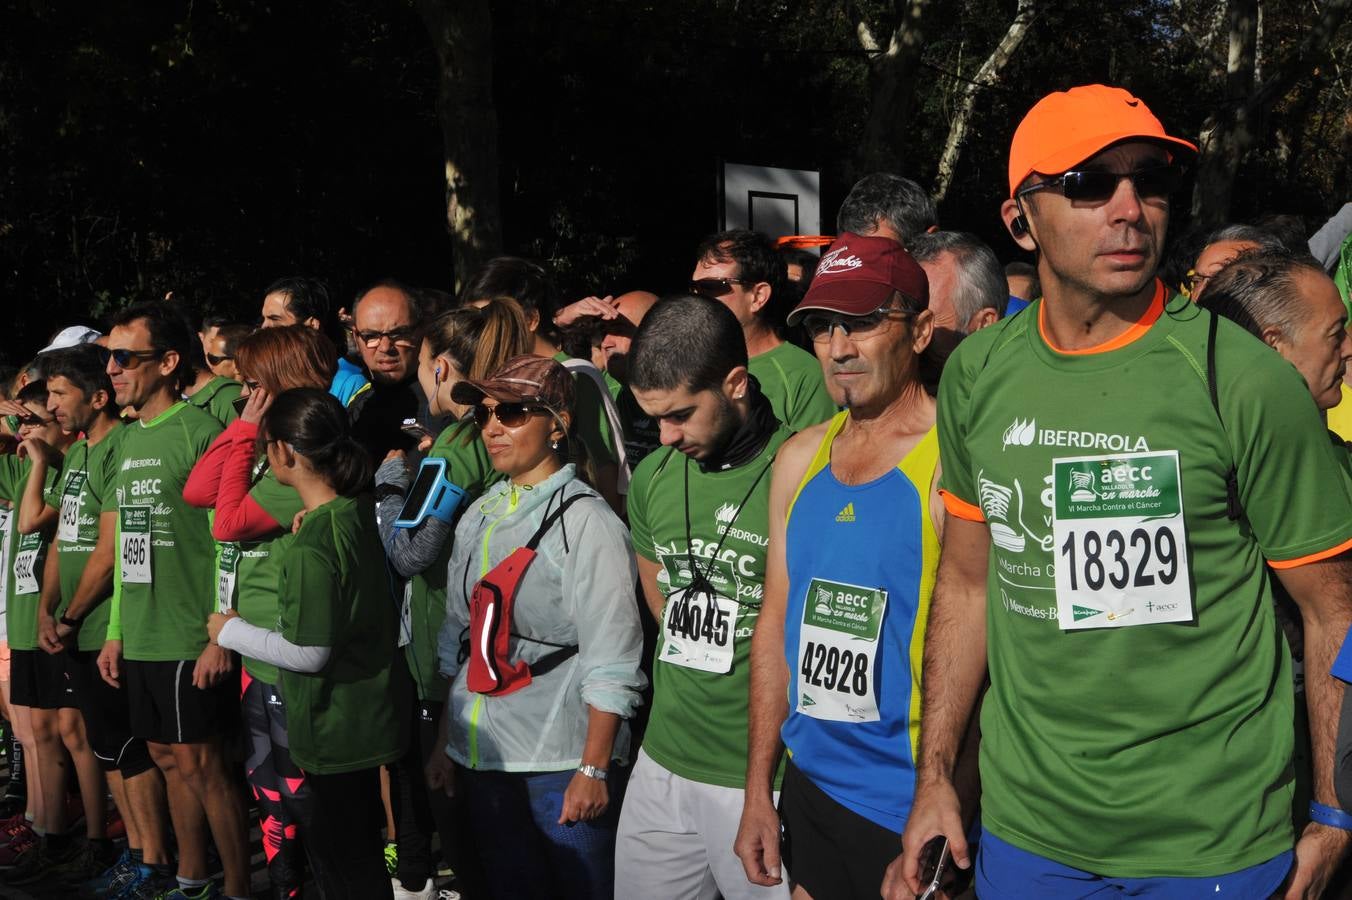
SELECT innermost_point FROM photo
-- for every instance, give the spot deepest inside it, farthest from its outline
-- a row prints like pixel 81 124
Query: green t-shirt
pixel 792 380
pixel 698 724
pixel 642 435
pixel 1164 748
pixel 27 553
pixel 83 493
pixel 612 384
pixel 164 619
pixel 217 397
pixel 352 714
pixel 470 469
pixel 259 565
pixel 590 423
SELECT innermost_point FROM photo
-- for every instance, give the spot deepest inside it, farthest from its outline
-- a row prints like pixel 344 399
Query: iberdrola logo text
pixel 1025 433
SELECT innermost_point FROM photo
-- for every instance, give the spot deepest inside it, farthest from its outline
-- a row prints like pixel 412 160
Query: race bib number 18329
pixel 1121 545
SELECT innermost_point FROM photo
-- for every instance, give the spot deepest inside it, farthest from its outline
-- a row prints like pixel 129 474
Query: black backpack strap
pixel 550 519
pixel 1233 508
pixel 551 661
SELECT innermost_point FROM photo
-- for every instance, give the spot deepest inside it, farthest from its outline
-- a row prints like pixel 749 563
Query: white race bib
pixel 6 522
pixel 226 571
pixel 68 528
pixel 1121 545
pixel 135 542
pixel 837 650
pixel 698 631
pixel 26 564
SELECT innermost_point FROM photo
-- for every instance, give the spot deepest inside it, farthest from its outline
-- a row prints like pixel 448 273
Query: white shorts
pixel 675 840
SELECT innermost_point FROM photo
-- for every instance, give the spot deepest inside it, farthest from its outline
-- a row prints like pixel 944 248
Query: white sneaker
pixel 429 892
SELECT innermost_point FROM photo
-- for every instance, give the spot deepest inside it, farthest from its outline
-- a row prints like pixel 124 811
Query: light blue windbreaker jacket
pixel 582 594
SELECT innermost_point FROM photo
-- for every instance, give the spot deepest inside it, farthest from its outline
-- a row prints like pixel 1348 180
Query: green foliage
pixel 206 147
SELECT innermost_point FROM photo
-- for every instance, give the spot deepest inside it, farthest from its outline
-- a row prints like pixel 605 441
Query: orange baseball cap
pixel 1068 127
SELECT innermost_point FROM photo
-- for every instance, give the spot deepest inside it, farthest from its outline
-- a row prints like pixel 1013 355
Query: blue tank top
pixel 860 541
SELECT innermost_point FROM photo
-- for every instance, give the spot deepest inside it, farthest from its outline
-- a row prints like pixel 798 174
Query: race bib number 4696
pixel 837 648
pixel 1121 544
pixel 135 544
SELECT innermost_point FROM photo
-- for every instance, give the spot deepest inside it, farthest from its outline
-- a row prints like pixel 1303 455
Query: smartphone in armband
pixel 934 860
pixel 432 495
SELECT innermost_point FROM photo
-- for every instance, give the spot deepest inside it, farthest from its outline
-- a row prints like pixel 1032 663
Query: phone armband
pixel 433 495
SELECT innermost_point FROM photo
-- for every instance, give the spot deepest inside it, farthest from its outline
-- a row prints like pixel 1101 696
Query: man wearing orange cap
pixel 1121 471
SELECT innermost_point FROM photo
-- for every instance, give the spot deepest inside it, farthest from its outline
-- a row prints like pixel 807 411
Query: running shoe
pixel 13 827
pixel 101 884
pixel 82 866
pixel 37 866
pixel 208 891
pixel 21 846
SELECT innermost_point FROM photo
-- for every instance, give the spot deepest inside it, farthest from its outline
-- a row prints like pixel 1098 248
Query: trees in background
pixel 207 147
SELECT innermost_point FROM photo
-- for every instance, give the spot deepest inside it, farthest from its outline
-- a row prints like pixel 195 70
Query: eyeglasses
pixel 818 325
pixel 33 420
pixel 1096 186
pixel 715 287
pixel 400 337
pixel 511 415
pixel 129 359
pixel 213 359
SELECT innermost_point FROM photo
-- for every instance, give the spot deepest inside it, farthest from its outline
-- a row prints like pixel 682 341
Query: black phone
pixel 239 403
pixel 415 429
pixel 416 498
pixel 934 860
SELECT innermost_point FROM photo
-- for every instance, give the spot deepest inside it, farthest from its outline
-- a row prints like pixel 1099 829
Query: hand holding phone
pixel 934 862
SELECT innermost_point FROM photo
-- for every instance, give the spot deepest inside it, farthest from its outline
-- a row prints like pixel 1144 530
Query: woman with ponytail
pixel 332 641
pixel 252 525
pixel 458 344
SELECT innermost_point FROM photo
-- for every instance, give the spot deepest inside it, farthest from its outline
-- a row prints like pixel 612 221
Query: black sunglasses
pixel 215 360
pixel 33 420
pixel 1097 186
pixel 511 415
pixel 819 325
pixel 129 359
pixel 715 287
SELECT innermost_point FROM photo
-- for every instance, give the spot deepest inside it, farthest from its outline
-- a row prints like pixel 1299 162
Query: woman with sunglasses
pixel 332 641
pixel 254 514
pixel 542 645
pixel 469 342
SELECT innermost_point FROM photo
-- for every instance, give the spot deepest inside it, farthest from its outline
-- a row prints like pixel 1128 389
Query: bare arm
pixel 652 595
pixel 1323 591
pixel 954 673
pixel 34 513
pixel 757 843
pixel 96 581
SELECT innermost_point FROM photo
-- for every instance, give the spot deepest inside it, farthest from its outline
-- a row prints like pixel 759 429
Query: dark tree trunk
pixel 461 32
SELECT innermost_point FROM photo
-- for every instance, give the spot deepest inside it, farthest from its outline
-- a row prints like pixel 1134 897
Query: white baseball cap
pixel 72 337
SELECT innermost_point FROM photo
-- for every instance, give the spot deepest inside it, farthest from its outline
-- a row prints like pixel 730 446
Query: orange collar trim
pixel 1137 330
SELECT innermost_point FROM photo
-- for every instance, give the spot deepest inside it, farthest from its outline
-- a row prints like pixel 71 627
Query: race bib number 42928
pixel 837 648
pixel 1121 544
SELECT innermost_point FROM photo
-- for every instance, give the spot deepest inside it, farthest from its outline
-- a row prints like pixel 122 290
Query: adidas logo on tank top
pixel 846 514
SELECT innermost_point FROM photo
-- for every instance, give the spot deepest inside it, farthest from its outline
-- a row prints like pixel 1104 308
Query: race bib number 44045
pixel 1121 545
pixel 837 648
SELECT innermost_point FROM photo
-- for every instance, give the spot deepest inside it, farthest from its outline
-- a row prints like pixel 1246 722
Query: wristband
pixel 1330 816
pixel 600 774
pixel 71 623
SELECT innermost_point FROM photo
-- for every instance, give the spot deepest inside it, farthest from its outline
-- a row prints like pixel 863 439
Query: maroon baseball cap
pixel 859 274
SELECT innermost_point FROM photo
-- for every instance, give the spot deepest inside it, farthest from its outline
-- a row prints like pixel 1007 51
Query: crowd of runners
pixel 888 572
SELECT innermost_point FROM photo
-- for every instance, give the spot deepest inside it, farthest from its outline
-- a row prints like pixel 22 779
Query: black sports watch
pixel 71 623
